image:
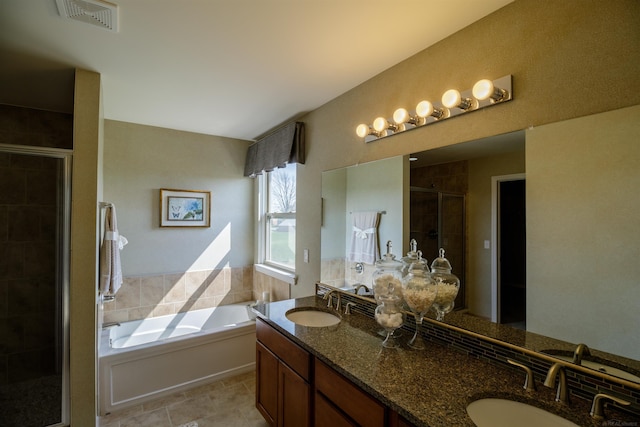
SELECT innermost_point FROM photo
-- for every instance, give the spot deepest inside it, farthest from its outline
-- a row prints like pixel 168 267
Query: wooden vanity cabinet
pixel 294 389
pixel 283 392
pixel 340 402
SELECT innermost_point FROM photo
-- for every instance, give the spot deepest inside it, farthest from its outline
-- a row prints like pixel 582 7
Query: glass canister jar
pixel 389 315
pixel 447 283
pixel 419 291
pixel 387 278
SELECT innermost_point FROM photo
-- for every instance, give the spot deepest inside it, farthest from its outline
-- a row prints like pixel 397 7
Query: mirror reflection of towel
pixel 364 237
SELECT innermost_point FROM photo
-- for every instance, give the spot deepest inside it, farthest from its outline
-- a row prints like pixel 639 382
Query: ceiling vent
pixel 95 12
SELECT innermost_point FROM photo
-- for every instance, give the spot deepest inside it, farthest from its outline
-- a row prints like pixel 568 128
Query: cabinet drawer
pixel 286 350
pixel 358 405
pixel 327 415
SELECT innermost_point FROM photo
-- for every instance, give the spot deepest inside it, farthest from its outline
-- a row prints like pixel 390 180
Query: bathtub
pixel 145 359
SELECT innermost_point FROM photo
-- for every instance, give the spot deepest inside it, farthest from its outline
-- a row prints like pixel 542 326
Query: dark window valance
pixel 285 145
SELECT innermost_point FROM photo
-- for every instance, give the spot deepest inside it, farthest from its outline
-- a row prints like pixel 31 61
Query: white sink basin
pixel 312 317
pixel 509 413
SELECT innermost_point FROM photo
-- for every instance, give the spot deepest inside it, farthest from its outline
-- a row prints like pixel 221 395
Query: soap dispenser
pixel 447 283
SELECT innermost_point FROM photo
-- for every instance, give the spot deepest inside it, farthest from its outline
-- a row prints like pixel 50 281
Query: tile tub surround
pixel 429 388
pixel 157 295
pixel 339 272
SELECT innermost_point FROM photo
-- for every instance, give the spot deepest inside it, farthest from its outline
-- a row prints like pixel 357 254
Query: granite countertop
pixel 429 388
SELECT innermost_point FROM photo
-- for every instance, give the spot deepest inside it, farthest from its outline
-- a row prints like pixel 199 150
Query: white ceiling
pixel 234 68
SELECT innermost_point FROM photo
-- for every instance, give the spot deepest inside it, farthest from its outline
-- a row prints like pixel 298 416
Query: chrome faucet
pixel 562 392
pixel 581 351
pixel 110 325
pixel 529 381
pixel 597 407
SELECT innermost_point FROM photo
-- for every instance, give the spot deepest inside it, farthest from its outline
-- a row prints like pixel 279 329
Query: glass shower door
pixel 437 220
pixel 34 230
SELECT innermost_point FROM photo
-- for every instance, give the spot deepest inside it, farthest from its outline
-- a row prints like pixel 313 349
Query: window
pixel 279 217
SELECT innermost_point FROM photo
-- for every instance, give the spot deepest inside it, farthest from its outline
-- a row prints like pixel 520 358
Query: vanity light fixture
pixel 453 99
pixel 382 125
pixel 485 93
pixel 485 89
pixel 406 120
pixel 367 132
pixel 426 109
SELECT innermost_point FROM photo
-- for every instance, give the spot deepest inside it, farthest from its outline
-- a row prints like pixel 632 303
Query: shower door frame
pixel 63 255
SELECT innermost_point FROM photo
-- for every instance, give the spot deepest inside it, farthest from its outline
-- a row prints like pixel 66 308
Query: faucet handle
pixel 347 307
pixel 529 381
pixel 597 407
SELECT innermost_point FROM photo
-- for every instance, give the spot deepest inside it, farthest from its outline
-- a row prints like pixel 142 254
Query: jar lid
pixel 441 263
pixel 388 261
pixel 419 264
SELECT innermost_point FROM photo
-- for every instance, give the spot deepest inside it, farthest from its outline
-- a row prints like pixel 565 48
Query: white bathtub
pixel 145 359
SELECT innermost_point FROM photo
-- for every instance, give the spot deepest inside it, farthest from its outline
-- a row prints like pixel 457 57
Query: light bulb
pixel 483 89
pixel 380 124
pixel 451 98
pixel 424 109
pixel 362 130
pixel 401 115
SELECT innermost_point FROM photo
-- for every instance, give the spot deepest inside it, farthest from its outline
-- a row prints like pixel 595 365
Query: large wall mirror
pixel 549 222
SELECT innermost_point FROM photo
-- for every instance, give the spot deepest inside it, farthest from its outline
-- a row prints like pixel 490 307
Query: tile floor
pixel 229 402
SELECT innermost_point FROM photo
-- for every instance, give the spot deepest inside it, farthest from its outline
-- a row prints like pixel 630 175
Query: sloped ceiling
pixel 234 68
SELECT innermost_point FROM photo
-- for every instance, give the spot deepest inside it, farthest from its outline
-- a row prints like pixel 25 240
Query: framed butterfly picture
pixel 185 208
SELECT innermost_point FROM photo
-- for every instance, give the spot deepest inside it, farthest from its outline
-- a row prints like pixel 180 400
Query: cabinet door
pixel 294 396
pixel 267 384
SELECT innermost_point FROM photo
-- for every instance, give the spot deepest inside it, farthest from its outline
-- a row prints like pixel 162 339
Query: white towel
pixel 112 244
pixel 364 237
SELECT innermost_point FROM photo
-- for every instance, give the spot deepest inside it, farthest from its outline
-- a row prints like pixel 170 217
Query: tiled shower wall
pixel 27 242
pixel 27 266
pixel 157 295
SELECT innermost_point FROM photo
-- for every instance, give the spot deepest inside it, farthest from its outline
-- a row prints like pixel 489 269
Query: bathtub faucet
pixel 110 325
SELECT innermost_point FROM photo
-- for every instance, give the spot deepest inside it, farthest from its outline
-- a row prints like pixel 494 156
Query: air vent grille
pixel 95 12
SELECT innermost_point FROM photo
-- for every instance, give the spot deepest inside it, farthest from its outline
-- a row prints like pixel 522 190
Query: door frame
pixel 495 205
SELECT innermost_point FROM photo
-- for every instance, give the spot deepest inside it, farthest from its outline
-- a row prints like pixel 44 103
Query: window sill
pixel 277 273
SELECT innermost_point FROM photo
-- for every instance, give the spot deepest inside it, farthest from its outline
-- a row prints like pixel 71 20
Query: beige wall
pixel 479 225
pixel 86 189
pixel 583 232
pixel 568 59
pixel 140 160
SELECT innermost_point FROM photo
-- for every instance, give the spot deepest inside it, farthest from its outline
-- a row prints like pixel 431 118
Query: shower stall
pixel 34 285
pixel 437 220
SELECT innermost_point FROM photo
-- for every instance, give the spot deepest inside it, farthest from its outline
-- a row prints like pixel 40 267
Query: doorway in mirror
pixel 512 279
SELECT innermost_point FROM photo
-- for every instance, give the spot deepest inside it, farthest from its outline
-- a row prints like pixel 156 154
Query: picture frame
pixel 185 208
